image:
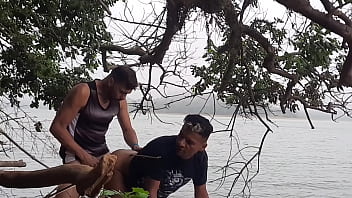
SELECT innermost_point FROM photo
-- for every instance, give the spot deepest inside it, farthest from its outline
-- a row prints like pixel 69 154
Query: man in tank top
pixel 82 121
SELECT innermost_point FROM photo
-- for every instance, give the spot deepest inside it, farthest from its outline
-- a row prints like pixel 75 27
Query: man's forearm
pixel 130 137
pixel 73 147
pixel 152 187
pixel 201 191
pixel 67 141
pixel 205 195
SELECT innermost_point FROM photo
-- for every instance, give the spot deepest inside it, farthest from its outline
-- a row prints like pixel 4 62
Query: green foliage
pixel 136 193
pixel 248 78
pixel 315 47
pixel 309 54
pixel 36 36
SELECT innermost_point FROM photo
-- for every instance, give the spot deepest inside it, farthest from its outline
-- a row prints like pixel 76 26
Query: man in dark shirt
pixel 167 163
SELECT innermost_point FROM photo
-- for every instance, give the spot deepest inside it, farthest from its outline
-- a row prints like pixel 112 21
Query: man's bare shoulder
pixel 81 89
pixel 77 96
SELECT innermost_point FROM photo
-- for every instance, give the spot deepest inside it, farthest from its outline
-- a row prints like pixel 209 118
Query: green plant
pixel 136 193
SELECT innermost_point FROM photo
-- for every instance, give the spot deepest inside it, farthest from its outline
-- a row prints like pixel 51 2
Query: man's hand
pixel 89 160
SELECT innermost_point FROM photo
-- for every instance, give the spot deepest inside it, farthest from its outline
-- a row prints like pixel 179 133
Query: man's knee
pixel 124 158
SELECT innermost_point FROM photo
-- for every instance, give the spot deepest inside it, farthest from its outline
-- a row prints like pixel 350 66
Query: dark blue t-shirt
pixel 172 171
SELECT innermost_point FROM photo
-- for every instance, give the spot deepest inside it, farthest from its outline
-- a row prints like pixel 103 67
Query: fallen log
pixel 19 163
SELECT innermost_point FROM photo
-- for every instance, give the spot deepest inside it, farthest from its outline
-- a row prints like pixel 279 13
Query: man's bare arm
pixel 129 133
pixel 152 186
pixel 201 191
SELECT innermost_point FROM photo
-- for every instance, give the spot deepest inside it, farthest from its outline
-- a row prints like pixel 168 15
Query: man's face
pixel 119 92
pixel 189 143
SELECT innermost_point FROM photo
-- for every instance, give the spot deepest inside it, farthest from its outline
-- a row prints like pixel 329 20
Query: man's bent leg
pixel 88 180
pixel 91 182
pixel 42 178
pixel 118 180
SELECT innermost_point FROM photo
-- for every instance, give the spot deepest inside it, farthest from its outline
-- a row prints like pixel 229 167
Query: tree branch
pixel 327 21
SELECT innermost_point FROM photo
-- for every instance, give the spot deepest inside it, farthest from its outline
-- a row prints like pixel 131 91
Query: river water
pixel 295 161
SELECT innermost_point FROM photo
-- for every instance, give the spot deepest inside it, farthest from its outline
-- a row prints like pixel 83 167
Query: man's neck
pixel 102 86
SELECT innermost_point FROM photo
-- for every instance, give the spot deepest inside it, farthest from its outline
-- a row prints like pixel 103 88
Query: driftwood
pixel 22 149
pixel 19 163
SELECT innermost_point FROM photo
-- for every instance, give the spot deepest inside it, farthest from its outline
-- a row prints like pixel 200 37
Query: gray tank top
pixel 91 124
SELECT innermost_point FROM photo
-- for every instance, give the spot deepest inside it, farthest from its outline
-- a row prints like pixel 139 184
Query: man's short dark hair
pixel 198 124
pixel 126 76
